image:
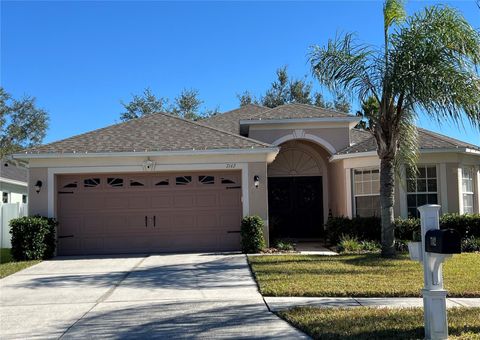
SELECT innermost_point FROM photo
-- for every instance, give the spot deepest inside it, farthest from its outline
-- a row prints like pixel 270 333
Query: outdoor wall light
pixel 256 180
pixel 38 186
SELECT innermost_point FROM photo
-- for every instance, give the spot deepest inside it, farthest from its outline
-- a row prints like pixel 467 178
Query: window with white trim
pixel 467 189
pixel 421 189
pixel 366 188
pixel 5 197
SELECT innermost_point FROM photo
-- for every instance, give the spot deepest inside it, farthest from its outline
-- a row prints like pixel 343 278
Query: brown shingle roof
pixel 230 120
pixel 156 132
pixel 363 141
pixel 295 110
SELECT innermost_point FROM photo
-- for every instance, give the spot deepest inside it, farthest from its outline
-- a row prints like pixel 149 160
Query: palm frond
pixel 345 66
pixel 439 74
pixel 393 12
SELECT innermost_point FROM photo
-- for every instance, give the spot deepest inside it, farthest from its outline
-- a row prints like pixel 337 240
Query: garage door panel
pixel 207 220
pixel 184 200
pixel 138 202
pixel 162 201
pixel 207 200
pixel 116 201
pixel 93 224
pixel 191 212
pixel 230 198
pixel 93 202
pixel 93 244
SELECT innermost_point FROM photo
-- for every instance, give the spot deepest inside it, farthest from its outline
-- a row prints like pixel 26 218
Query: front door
pixel 295 207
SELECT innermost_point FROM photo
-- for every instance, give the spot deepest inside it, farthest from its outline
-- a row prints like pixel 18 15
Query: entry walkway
pixel 282 303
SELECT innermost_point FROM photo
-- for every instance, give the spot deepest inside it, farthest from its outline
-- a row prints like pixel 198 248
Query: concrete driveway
pixel 157 296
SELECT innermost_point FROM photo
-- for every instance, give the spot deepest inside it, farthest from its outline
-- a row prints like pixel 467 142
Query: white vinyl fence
pixel 9 211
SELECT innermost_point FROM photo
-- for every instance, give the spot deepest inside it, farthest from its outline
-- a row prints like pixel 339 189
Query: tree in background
pixel 22 123
pixel 144 104
pixel 429 63
pixel 286 90
pixel 186 105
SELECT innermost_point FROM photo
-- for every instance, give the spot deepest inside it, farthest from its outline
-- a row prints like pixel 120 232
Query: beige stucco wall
pixel 38 203
pixel 338 137
pixel 258 197
pixel 448 165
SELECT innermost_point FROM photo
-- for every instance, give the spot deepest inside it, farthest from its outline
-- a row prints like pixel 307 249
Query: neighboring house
pixel 161 183
pixel 14 197
pixel 13 183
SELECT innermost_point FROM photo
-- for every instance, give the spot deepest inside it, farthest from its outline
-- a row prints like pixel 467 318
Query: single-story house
pixel 161 183
pixel 13 183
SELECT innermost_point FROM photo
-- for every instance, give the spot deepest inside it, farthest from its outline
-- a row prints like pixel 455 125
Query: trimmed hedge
pixel 33 238
pixel 369 228
pixel 252 234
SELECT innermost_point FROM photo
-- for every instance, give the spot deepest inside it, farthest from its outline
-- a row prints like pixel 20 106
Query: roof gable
pixel 230 120
pixel 155 132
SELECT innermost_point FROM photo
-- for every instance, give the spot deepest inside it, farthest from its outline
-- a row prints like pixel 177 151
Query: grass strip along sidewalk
pixel 363 275
pixel 378 323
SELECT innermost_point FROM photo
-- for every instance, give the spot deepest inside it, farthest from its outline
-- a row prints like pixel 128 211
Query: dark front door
pixel 295 207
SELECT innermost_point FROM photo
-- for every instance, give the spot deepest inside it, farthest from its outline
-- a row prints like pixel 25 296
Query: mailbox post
pixel 437 245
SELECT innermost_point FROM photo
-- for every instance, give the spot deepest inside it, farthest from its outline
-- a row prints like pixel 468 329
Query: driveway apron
pixel 156 296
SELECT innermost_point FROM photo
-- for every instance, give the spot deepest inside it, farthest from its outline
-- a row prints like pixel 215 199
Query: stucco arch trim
pixel 301 134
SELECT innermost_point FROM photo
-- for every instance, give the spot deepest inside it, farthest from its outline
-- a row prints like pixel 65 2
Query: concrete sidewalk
pixel 282 303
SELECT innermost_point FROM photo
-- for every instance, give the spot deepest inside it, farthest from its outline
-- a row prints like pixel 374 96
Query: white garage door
pixel 136 213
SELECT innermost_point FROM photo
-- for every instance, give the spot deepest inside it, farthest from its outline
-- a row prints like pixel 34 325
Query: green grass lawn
pixel 8 266
pixel 378 323
pixel 364 275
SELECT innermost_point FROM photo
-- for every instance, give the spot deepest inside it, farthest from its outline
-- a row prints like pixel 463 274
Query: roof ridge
pixel 215 129
pixel 320 108
pixel 311 106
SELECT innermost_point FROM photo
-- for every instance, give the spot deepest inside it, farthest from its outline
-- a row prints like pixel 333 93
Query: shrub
pixel 284 245
pixel 370 246
pixel 401 245
pixel 252 234
pixel 467 225
pixel 33 238
pixel 471 244
pixel 349 244
pixel 407 229
pixel 364 228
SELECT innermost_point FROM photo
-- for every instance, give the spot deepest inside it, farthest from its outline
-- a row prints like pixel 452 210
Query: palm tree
pixel 429 63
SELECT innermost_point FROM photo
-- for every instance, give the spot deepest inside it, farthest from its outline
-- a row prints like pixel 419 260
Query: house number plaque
pixel 231 165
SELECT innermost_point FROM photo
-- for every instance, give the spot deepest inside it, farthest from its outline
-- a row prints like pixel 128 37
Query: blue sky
pixel 80 59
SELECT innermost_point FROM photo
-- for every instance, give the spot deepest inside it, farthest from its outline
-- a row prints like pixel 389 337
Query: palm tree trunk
pixel 387 198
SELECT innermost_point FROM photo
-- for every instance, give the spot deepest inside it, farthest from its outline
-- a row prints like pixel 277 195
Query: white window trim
pixel 354 194
pixel 437 178
pixel 460 187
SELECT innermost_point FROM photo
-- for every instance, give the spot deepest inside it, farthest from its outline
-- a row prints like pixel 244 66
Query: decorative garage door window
pixel 115 182
pixel 162 182
pixel 70 185
pixel 91 182
pixel 183 180
pixel 137 182
pixel 228 180
pixel 206 179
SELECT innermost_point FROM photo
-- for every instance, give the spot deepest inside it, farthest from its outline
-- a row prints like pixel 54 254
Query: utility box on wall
pixel 443 241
